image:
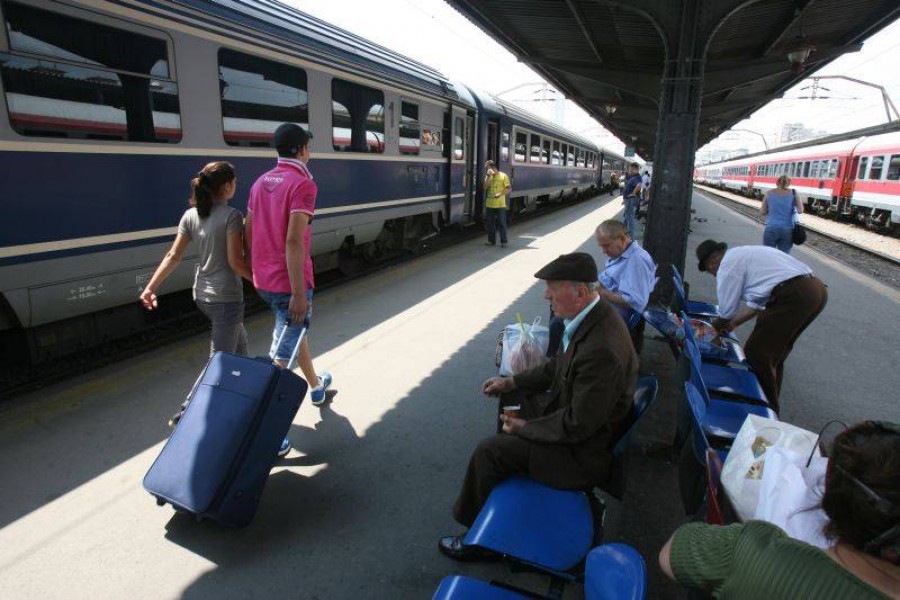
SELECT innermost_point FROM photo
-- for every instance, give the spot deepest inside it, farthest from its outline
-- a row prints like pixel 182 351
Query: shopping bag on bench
pixel 746 463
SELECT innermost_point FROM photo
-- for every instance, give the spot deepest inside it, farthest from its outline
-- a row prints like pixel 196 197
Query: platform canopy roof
pixel 609 57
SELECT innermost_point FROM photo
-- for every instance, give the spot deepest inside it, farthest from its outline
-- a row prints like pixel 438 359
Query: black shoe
pixel 490 243
pixel 452 546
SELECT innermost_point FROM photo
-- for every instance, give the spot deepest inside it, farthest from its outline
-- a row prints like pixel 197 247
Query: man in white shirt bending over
pixel 779 291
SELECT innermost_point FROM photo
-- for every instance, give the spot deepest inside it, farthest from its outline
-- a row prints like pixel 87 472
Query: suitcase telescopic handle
pixel 296 349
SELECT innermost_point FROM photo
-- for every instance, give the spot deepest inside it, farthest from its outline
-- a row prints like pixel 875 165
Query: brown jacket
pixel 591 394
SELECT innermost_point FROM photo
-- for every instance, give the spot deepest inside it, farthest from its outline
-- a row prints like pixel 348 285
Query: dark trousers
pixel 496 216
pixel 502 456
pixel 791 308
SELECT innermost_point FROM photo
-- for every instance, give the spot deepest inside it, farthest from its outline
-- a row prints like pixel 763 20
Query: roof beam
pixel 575 9
pixel 796 16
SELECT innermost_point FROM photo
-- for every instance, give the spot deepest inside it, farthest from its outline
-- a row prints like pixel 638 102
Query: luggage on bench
pixel 216 462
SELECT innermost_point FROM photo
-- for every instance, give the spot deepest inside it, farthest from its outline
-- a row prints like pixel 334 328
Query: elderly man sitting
pixel 626 282
pixel 565 437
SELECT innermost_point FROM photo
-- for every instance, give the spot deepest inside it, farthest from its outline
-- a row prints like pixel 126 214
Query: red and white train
pixel 857 177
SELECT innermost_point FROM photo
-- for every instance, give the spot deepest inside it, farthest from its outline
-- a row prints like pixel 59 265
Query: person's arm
pixel 169 263
pixel 764 207
pixel 743 315
pixel 248 238
pixel 599 382
pixel 236 259
pixel 797 204
pixel 295 256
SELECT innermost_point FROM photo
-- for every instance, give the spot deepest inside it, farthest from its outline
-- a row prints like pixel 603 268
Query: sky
pixel 433 33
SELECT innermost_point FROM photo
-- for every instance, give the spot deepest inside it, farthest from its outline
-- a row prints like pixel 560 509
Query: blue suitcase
pixel 216 462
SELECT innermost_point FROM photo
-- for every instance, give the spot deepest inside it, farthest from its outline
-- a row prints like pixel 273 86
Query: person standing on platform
pixel 564 437
pixel 613 183
pixel 645 186
pixel 218 230
pixel 778 207
pixel 780 292
pixel 281 208
pixel 496 187
pixel 631 196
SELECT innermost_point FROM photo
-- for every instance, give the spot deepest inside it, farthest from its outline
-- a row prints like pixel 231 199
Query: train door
pixel 462 161
pixel 472 186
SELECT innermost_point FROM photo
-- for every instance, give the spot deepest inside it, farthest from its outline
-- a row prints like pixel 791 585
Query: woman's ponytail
pixel 208 184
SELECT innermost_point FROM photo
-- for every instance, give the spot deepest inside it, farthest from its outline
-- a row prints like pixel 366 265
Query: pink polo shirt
pixel 276 195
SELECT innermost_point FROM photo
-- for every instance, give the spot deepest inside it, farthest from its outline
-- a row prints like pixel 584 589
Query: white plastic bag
pixel 791 493
pixel 524 347
pixel 745 466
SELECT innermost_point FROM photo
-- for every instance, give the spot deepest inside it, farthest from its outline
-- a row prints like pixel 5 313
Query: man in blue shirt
pixel 630 273
pixel 631 195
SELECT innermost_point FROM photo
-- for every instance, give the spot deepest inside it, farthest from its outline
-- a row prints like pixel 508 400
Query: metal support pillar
pixel 669 216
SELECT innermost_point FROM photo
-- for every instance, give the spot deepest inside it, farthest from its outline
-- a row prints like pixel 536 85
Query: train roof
pixel 265 18
pixel 887 141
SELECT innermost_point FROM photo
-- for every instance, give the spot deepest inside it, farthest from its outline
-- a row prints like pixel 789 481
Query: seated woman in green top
pixel 757 559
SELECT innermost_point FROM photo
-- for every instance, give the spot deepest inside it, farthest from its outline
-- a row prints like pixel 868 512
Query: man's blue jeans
pixel 495 215
pixel 631 204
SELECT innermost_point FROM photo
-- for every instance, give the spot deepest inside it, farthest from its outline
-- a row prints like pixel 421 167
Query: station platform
pixel 356 509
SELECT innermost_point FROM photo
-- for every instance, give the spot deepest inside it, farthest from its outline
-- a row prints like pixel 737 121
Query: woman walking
pixel 779 206
pixel 218 230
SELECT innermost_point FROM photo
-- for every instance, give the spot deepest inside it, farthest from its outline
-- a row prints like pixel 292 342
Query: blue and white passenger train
pixel 110 106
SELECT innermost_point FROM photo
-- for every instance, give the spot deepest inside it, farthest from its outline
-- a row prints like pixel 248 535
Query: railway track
pixel 879 265
pixel 18 379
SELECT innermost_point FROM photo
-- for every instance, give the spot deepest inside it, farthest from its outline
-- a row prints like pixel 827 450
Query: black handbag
pixel 798 235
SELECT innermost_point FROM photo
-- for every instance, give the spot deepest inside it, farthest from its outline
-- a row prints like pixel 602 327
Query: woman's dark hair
pixel 208 184
pixel 862 489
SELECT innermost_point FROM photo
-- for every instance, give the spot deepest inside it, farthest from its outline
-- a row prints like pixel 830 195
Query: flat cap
pixel 578 266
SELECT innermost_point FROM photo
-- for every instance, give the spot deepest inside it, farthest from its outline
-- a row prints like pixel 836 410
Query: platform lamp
pixel 798 51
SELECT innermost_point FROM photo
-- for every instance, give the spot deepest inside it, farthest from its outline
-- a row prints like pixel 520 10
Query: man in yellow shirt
pixel 496 187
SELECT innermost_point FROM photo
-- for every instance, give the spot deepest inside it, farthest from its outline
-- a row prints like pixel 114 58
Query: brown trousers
pixel 791 308
pixel 502 456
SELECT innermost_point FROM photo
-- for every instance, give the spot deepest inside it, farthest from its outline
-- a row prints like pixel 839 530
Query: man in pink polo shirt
pixel 281 208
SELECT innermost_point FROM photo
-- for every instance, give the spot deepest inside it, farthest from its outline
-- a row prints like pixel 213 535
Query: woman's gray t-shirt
pixel 214 279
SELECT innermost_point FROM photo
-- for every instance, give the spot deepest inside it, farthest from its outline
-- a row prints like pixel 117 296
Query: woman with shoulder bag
pixel 779 206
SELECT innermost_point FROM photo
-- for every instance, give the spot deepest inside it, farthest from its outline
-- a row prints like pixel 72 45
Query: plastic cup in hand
pixel 512 411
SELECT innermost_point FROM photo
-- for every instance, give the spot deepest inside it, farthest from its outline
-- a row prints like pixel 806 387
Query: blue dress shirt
pixel 632 274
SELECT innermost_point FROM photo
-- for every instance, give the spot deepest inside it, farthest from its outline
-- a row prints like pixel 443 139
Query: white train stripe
pixel 100 240
pixel 96 240
pixel 339 209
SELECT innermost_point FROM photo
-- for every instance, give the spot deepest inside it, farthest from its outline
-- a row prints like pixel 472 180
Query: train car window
pixel 70 78
pixel 806 169
pixel 893 171
pixel 546 151
pixel 458 151
pixel 863 163
pixel 814 170
pixel 876 168
pixel 581 161
pixel 556 157
pixel 535 155
pixel 565 155
pixel 521 146
pixel 410 129
pixel 832 168
pixel 504 146
pixel 357 117
pixel 257 96
pixel 570 157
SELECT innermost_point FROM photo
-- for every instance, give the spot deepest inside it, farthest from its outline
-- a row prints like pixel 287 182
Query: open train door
pixel 462 161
